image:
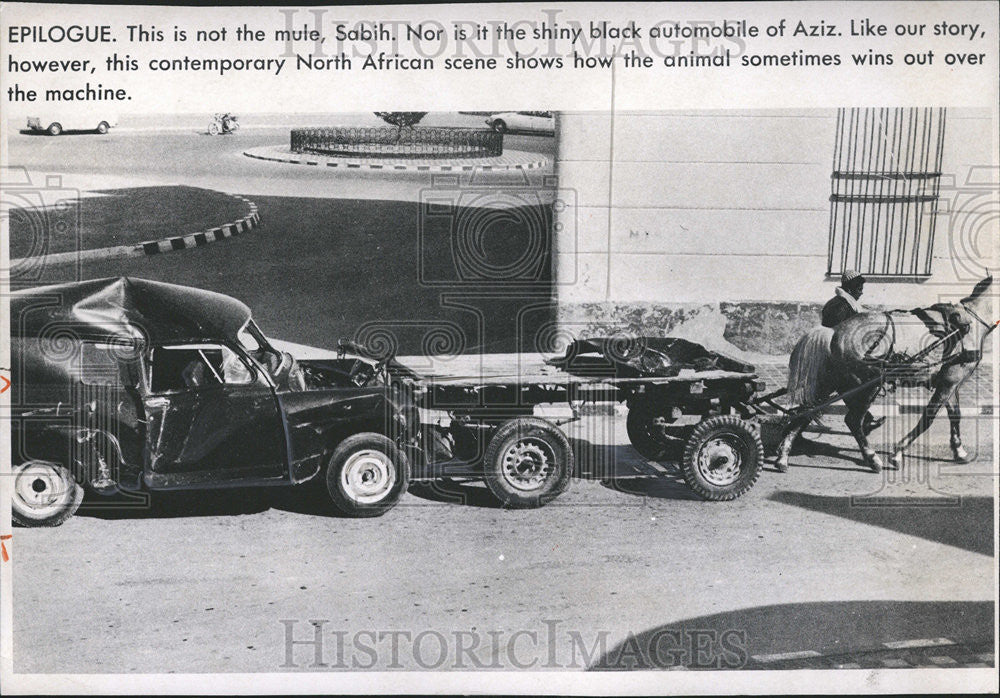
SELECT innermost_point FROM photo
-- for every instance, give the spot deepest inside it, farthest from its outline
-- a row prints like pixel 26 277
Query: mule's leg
pixel 793 432
pixel 857 407
pixel 955 421
pixel 942 395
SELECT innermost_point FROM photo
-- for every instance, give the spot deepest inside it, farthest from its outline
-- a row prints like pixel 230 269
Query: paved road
pixel 825 566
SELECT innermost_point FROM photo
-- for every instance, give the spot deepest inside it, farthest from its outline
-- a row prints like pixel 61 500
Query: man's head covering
pixel 851 277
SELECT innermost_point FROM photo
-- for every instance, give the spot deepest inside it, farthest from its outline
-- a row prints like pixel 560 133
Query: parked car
pixel 55 124
pixel 523 122
pixel 135 385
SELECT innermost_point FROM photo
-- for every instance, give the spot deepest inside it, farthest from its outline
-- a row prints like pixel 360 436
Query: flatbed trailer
pixel 489 416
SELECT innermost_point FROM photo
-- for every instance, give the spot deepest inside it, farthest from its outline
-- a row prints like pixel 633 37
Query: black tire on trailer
pixel 528 463
pixel 644 422
pixel 723 458
pixel 103 127
pixel 366 475
pixel 55 128
pixel 500 126
pixel 43 494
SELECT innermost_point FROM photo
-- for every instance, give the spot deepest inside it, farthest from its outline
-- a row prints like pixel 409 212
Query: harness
pixel 896 364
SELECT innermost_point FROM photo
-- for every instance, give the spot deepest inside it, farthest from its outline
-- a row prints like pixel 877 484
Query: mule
pixel 937 347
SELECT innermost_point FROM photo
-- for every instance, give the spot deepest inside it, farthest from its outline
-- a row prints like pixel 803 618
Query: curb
pixel 151 247
pixel 205 237
pixel 344 163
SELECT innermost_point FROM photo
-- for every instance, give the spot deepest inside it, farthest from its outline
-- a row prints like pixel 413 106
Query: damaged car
pixel 127 384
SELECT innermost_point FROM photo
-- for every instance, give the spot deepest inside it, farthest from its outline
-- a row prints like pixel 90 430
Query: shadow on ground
pixel 965 522
pixel 458 276
pixel 121 217
pixel 176 504
pixel 740 639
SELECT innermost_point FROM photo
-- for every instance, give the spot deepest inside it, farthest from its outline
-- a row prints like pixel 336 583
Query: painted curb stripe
pixel 923 642
pixel 782 656
pixel 532 165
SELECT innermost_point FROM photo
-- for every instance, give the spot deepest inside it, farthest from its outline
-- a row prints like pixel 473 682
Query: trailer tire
pixel 44 494
pixel 641 427
pixel 366 475
pixel 722 458
pixel 528 463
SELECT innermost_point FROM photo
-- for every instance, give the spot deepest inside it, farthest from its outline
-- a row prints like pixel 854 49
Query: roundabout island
pixel 399 148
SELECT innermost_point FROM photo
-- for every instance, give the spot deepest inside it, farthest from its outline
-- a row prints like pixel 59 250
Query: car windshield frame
pixel 263 345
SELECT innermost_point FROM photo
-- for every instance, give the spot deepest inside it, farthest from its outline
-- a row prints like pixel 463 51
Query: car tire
pixel 55 128
pixel 103 127
pixel 528 463
pixel 722 458
pixel 500 126
pixel 366 475
pixel 43 494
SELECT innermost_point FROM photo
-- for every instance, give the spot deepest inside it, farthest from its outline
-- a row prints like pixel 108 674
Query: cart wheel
pixel 213 129
pixel 645 425
pixel 367 475
pixel 722 458
pixel 528 463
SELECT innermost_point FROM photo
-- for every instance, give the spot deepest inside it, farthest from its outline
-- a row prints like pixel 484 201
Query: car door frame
pixel 174 474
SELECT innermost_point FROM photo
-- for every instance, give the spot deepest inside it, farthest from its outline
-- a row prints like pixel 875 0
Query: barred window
pixel 885 186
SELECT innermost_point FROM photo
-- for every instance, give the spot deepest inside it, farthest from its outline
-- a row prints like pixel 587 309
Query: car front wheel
pixel 55 129
pixel 103 127
pixel 44 494
pixel 366 475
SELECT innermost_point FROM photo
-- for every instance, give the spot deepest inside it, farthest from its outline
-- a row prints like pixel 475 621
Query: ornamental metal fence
pixel 382 141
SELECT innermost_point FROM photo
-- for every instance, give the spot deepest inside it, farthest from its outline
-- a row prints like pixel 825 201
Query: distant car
pixel 55 124
pixel 523 122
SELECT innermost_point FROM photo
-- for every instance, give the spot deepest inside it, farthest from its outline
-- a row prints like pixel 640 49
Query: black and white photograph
pixel 531 392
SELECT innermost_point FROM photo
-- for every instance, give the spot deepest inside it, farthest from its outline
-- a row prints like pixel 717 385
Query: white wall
pixel 704 207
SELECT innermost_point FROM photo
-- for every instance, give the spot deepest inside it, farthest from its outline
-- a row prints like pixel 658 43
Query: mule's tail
pixel 809 368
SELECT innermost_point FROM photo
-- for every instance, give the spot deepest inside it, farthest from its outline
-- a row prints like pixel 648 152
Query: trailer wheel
pixel 366 475
pixel 722 458
pixel 44 494
pixel 645 425
pixel 528 463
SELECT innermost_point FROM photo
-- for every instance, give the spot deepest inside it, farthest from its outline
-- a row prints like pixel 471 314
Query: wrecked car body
pixel 127 384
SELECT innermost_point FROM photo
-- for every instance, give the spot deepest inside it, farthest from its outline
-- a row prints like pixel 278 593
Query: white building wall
pixel 733 206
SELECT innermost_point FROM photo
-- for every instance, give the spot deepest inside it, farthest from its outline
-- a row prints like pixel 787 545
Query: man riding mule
pixel 937 347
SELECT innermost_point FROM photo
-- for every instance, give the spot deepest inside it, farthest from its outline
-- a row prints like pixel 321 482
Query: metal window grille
pixel 885 187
